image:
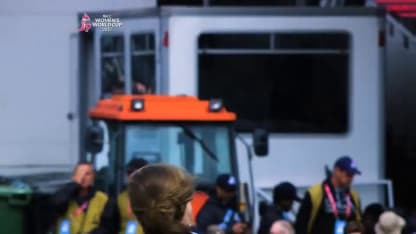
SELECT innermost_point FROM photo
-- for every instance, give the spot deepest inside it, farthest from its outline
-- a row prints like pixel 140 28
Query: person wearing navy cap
pixel 284 195
pixel 328 206
pixel 221 209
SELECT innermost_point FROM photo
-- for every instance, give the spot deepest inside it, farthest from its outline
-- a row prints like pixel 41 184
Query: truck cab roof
pixel 161 108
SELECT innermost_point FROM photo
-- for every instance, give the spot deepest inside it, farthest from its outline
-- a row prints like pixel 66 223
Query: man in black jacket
pixel 83 209
pixel 284 194
pixel 221 209
pixel 328 206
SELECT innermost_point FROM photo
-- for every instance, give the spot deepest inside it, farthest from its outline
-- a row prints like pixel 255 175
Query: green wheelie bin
pixel 14 197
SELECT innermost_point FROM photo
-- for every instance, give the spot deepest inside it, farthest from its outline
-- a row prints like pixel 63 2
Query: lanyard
pixel 333 204
pixel 80 209
pixel 226 220
pixel 129 211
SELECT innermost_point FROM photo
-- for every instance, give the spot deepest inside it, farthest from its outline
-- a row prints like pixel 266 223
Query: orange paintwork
pixel 158 108
pixel 198 201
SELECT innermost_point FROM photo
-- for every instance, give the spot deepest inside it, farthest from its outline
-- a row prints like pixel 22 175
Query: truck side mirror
pixel 261 142
pixel 94 139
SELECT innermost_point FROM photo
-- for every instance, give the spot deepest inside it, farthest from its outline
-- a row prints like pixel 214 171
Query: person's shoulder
pixel 123 194
pixel 353 192
pixel 266 208
pixel 316 186
pixel 101 196
pixel 263 208
pixel 272 213
pixel 355 196
pixel 315 190
pixel 213 201
pixel 212 205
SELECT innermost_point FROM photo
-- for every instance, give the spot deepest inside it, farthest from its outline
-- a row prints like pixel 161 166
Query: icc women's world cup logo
pixel 106 23
pixel 85 23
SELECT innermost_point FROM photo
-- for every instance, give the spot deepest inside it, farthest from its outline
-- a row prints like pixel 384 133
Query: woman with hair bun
pixel 160 198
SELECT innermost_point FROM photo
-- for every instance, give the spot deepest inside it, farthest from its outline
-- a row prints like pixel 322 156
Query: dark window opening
pixel 298 84
pixel 143 63
pixel 112 65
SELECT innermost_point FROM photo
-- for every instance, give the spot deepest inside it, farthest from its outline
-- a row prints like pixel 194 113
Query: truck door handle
pixel 70 116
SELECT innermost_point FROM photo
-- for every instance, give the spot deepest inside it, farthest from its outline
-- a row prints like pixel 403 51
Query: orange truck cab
pixel 194 134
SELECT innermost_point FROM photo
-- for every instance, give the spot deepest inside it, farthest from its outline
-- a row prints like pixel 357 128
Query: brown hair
pixel 158 195
pixel 354 226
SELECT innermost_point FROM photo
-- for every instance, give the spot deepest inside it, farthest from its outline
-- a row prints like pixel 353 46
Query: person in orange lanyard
pixel 81 208
pixel 128 223
pixel 328 206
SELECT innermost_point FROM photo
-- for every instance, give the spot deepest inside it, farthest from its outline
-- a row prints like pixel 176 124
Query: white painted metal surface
pixel 296 157
pixel 37 82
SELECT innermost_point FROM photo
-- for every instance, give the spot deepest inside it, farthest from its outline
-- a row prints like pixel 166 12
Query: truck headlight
pixel 215 105
pixel 137 104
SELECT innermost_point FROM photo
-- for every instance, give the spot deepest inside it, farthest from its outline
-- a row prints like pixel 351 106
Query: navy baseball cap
pixel 347 164
pixel 285 191
pixel 227 182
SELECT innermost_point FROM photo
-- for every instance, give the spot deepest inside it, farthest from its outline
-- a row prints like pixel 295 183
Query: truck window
pixel 285 82
pixel 143 63
pixel 112 65
pixel 170 144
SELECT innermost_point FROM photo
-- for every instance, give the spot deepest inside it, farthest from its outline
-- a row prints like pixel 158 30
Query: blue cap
pixel 227 182
pixel 346 163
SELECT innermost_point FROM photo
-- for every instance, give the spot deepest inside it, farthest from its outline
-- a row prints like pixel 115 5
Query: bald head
pixel 281 227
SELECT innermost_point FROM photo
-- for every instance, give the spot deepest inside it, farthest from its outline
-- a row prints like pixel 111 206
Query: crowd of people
pixel 161 199
pixel 329 207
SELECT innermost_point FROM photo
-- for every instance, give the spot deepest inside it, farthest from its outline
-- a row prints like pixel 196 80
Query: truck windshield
pixel 203 150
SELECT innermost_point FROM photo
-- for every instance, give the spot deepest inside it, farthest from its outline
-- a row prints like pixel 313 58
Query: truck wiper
pixel 188 132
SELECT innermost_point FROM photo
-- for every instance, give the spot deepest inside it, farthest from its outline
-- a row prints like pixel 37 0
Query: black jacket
pixel 213 213
pixel 271 214
pixel 325 219
pixel 109 219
